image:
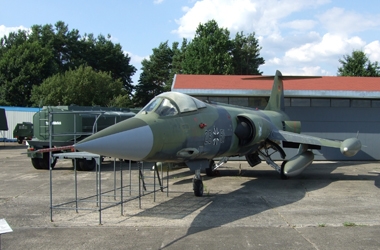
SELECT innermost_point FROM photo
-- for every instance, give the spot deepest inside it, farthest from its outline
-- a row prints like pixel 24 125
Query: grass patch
pixel 349 224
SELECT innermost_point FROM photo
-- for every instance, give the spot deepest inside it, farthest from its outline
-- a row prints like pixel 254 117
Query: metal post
pixel 154 182
pixel 97 184
pixel 50 169
pixel 139 184
pixel 167 180
pixel 130 177
pixel 100 191
pixel 75 170
pixel 114 179
pixel 121 190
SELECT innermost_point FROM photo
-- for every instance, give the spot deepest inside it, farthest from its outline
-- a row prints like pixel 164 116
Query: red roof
pixel 334 83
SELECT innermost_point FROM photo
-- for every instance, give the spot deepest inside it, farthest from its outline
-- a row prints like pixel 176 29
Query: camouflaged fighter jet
pixel 175 127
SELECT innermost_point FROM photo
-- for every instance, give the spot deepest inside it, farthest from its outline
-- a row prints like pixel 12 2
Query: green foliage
pixel 358 64
pixel 22 67
pixel 246 52
pixel 28 58
pixel 82 86
pixel 156 76
pixel 210 52
pixel 122 101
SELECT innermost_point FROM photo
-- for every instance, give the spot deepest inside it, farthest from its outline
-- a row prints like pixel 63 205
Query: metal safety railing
pixel 118 192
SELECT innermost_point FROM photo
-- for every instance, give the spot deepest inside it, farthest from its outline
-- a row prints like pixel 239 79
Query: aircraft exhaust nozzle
pixel 350 147
pixel 298 163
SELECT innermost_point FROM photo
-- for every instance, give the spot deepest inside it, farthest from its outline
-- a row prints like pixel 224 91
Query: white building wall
pixel 16 115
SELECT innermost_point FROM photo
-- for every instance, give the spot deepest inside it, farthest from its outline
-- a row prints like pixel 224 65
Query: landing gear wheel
pixel 283 176
pixel 209 171
pixel 198 187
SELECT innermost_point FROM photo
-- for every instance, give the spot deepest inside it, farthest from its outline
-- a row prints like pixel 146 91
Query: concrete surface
pixel 331 205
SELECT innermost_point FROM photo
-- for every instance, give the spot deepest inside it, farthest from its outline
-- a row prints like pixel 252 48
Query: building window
pixel 240 101
pixel 340 103
pixel 221 99
pixel 258 102
pixel 360 103
pixel 375 103
pixel 319 102
pixel 202 98
pixel 300 102
pixel 287 102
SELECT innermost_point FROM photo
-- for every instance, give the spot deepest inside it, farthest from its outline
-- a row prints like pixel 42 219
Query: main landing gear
pixel 198 183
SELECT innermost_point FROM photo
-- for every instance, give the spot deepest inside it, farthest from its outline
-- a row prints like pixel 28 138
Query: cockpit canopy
pixel 172 103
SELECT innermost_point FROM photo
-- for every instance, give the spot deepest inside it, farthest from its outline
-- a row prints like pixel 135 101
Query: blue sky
pixel 298 37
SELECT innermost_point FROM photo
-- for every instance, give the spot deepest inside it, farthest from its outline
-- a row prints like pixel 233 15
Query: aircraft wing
pixel 348 147
pixel 281 135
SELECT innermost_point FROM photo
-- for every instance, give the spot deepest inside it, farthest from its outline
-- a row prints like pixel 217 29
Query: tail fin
pixel 276 99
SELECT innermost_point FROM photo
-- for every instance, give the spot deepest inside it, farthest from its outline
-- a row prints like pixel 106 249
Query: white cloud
pixel 4 31
pixel 330 46
pixel 300 25
pixel 260 16
pixel 338 20
pixel 372 50
pixel 157 1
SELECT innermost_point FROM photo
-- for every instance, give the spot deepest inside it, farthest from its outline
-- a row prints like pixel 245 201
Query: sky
pixel 298 37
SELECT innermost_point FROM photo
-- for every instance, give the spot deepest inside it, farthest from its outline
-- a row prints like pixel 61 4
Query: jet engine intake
pixel 252 129
pixel 298 163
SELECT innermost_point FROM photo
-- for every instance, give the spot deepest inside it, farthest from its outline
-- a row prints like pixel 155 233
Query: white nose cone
pixel 133 144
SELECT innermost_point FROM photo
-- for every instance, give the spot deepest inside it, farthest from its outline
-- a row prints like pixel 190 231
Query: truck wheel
pixel 36 163
pixel 43 163
pixel 20 139
pixel 85 165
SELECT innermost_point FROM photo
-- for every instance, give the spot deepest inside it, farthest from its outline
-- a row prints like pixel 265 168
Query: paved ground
pixel 332 205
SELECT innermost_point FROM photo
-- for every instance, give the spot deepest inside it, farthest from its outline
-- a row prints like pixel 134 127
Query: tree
pixel 177 60
pixel 103 55
pixel 28 58
pixel 246 51
pixel 358 64
pixel 22 67
pixel 156 74
pixel 83 86
pixel 210 52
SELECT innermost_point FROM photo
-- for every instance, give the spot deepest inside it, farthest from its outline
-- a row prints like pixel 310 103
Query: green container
pixel 73 123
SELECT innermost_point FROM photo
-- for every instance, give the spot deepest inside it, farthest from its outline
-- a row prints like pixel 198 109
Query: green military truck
pixel 23 131
pixel 68 125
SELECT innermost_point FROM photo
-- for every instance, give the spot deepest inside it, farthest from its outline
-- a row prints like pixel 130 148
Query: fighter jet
pixel 174 127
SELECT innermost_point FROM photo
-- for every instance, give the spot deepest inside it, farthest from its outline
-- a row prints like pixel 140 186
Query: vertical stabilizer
pixel 276 99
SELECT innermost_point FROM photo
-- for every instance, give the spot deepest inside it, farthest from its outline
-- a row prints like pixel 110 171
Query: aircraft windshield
pixel 184 102
pixel 166 104
pixel 166 108
pixel 151 105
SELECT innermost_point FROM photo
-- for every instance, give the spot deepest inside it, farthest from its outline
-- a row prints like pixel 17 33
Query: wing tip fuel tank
pixel 350 147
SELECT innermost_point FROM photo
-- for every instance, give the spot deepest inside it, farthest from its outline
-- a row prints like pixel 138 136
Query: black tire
pixel 198 187
pixel 282 175
pixel 85 165
pixel 43 163
pixel 209 171
pixel 36 163
pixel 20 139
